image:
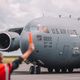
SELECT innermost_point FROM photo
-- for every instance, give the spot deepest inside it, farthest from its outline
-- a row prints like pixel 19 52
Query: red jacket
pixel 5 70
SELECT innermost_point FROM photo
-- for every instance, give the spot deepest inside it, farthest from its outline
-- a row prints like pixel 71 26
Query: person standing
pixel 7 69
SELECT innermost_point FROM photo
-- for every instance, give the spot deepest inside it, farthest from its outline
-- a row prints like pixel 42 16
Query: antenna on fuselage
pixel 78 18
pixel 70 16
pixel 43 14
pixel 60 16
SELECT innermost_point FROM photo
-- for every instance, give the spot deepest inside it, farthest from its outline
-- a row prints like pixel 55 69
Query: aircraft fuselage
pixel 58 45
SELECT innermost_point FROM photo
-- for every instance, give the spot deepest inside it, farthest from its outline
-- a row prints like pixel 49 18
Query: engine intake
pixel 9 41
pixel 4 41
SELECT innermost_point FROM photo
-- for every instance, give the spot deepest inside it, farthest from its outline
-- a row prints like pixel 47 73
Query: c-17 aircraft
pixel 57 43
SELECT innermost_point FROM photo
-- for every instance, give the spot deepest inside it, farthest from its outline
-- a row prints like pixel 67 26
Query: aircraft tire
pixel 31 70
pixel 57 70
pixel 50 70
pixel 64 70
pixel 34 70
pixel 38 70
pixel 70 70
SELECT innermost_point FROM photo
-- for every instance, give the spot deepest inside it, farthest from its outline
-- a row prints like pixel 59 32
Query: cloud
pixel 19 12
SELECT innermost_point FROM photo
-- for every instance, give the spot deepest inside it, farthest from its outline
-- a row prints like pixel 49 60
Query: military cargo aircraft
pixel 57 43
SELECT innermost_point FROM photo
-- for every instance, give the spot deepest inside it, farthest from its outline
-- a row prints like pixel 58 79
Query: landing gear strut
pixel 34 70
pixel 50 70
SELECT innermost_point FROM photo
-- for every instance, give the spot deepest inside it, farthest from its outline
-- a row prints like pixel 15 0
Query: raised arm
pixel 17 62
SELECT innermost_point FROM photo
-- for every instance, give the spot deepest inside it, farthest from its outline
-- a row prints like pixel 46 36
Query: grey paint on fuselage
pixel 53 50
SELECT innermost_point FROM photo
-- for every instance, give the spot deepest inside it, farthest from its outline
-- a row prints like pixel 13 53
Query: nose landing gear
pixel 34 70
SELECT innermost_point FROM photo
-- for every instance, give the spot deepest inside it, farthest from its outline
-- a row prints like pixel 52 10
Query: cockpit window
pixel 43 29
pixel 33 28
pixel 39 28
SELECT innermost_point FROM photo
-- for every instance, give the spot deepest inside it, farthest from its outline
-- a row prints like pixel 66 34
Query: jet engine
pixel 9 41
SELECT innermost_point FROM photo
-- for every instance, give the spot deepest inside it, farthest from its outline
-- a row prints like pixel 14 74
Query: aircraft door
pixel 66 51
pixel 63 49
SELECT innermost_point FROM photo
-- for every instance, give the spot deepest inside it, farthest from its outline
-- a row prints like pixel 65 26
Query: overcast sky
pixel 16 13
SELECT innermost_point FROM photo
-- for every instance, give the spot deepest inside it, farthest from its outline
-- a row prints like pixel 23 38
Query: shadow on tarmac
pixel 27 73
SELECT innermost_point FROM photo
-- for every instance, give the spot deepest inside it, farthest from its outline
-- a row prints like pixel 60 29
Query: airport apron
pixel 5 71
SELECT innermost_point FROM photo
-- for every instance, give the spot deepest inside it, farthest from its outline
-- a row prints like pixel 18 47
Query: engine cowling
pixel 9 41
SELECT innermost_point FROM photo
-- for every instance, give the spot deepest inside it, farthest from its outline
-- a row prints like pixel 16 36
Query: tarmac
pixel 22 73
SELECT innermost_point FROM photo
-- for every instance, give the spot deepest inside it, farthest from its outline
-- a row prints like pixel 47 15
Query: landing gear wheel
pixel 38 70
pixel 50 70
pixel 34 70
pixel 64 70
pixel 70 70
pixel 31 70
pixel 57 70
